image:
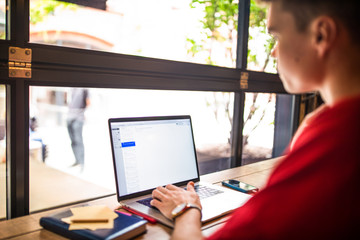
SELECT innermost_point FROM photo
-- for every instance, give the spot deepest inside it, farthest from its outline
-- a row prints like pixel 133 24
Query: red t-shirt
pixel 314 193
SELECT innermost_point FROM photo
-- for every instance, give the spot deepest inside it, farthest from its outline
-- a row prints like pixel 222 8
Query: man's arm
pixel 188 224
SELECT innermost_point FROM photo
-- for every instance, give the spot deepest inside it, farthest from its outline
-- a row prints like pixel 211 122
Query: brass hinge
pixel 20 62
pixel 244 80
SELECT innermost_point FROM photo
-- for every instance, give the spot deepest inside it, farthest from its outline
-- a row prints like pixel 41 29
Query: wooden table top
pixel 28 227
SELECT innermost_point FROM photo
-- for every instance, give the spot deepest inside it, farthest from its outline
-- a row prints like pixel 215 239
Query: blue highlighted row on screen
pixel 128 144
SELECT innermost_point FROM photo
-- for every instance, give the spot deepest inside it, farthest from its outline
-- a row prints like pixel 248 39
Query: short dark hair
pixel 345 11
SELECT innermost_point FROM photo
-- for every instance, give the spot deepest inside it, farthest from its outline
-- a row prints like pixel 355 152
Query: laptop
pixel 155 151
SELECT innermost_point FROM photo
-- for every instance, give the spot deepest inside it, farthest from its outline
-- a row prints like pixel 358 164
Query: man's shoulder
pixel 333 135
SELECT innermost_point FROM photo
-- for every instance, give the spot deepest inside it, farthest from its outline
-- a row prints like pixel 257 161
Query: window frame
pixel 83 68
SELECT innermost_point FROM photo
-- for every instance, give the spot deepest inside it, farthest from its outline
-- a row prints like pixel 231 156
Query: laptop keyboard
pixel 202 191
pixel 146 202
pixel 205 192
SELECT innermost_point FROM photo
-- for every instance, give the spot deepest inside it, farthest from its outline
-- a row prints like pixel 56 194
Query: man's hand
pixel 167 198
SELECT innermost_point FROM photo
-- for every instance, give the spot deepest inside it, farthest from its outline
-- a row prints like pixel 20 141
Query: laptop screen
pixel 151 152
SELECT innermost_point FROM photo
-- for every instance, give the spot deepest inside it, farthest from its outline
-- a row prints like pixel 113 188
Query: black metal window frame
pixel 61 66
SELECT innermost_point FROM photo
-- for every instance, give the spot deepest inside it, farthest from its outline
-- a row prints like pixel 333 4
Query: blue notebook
pixel 125 227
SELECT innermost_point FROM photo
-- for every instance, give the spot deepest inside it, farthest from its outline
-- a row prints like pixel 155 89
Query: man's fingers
pixel 159 193
pixel 190 186
pixel 156 203
pixel 162 190
pixel 171 187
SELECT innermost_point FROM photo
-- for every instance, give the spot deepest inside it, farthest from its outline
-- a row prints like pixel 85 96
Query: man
pixel 314 192
pixel 75 122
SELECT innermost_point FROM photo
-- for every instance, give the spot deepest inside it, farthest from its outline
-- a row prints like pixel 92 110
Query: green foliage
pixel 257 15
pixel 195 48
pixel 224 14
pixel 257 22
pixel 217 14
pixel 39 10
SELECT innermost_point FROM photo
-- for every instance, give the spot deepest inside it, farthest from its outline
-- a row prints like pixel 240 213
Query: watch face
pixel 178 209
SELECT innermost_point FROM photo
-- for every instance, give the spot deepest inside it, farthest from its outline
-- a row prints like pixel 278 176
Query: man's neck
pixel 343 76
pixel 337 92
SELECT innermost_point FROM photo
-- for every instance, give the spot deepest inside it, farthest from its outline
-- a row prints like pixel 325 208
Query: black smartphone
pixel 240 186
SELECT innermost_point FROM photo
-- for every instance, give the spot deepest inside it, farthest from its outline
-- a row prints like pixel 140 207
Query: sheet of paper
pixel 93 217
pixel 93 212
pixel 91 226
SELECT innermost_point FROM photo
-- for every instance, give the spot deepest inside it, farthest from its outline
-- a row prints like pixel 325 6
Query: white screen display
pixel 153 153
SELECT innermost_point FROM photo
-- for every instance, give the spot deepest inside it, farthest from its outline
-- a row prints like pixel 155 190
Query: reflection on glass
pixel 2 152
pixel 258 131
pixel 51 168
pixel 2 19
pixel 260 42
pixel 182 30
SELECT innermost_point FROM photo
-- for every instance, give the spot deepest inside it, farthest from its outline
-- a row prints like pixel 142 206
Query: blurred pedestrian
pixel 75 122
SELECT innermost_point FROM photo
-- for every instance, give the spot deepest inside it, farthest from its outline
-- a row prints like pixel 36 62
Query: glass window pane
pixel 258 131
pixel 183 30
pixel 2 19
pixel 2 152
pixel 52 156
pixel 260 42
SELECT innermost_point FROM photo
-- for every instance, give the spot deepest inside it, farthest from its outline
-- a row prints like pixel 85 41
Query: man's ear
pixel 324 32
